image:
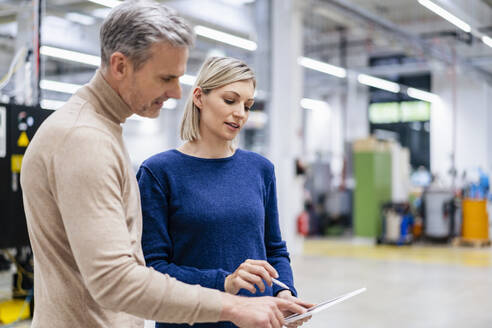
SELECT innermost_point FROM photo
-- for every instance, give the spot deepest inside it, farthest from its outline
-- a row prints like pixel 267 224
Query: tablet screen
pixel 323 305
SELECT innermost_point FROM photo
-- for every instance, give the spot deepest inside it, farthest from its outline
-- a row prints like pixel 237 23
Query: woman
pixel 210 209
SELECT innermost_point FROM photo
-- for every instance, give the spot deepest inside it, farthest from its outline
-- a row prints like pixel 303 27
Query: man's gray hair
pixel 134 26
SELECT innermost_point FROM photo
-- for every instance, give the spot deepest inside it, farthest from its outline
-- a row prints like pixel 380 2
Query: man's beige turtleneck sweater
pixel 83 212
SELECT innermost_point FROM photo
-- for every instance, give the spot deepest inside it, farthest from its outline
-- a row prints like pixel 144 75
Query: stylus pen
pixel 279 283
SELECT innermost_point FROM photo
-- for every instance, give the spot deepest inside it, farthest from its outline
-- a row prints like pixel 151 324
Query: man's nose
pixel 175 91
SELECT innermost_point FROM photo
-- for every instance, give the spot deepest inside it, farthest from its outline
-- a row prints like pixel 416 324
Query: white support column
pixel 358 119
pixel 25 79
pixel 285 114
pixel 337 107
pixel 472 128
pixel 441 124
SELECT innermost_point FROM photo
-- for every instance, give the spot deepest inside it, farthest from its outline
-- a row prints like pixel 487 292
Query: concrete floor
pixel 416 286
pixel 406 286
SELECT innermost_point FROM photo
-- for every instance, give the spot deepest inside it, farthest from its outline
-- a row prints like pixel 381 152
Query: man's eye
pixel 166 79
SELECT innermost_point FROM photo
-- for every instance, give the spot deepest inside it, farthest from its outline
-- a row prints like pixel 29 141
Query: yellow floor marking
pixel 474 257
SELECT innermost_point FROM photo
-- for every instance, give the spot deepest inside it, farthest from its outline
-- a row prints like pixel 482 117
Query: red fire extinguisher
pixel 303 223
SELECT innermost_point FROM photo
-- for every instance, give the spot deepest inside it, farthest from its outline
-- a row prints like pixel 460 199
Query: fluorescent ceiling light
pixel 225 38
pixel 322 67
pixel 51 104
pixel 446 15
pixel 313 104
pixel 107 3
pixel 70 55
pixel 487 40
pixel 422 95
pixel 81 19
pixel 101 12
pixel 378 83
pixel 59 86
pixel 187 79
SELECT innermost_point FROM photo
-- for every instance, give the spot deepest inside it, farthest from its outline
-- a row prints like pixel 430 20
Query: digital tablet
pixel 323 306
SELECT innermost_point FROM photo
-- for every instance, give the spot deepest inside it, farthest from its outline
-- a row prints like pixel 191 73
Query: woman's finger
pixel 242 284
pixel 252 279
pixel 267 266
pixel 259 271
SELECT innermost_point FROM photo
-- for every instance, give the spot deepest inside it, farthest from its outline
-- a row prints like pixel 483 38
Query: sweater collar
pixel 111 105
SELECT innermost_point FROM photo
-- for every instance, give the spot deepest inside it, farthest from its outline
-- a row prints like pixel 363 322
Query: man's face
pixel 146 89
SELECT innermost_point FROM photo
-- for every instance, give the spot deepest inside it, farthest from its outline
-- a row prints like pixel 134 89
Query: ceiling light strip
pixel 423 95
pixel 378 83
pixel 70 55
pixel 107 3
pixel 446 15
pixel 225 38
pixel 487 40
pixel 59 86
pixel 51 104
pixel 322 67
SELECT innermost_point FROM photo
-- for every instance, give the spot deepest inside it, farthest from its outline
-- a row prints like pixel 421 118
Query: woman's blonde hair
pixel 215 72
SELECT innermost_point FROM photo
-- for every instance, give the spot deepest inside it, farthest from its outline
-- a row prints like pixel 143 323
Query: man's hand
pixel 287 295
pixel 249 274
pixel 257 312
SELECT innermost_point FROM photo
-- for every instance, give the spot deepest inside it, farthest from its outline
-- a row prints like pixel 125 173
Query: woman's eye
pixel 228 101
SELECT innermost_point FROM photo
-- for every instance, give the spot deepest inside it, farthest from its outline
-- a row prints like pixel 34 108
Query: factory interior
pixel 375 114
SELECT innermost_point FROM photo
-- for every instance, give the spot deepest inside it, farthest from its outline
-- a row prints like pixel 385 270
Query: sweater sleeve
pixel 88 188
pixel 276 248
pixel 156 240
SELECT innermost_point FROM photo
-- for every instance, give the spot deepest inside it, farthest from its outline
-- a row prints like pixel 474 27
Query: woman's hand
pixel 287 295
pixel 249 274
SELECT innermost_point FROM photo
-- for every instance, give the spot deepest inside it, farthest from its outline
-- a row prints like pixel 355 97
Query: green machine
pixel 372 172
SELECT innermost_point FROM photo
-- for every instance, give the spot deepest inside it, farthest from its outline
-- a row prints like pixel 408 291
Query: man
pixel 81 196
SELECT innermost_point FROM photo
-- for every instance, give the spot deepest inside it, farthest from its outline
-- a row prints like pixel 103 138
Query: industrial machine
pixel 17 127
pixel 441 214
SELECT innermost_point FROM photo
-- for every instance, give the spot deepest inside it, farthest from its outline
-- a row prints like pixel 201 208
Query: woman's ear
pixel 197 97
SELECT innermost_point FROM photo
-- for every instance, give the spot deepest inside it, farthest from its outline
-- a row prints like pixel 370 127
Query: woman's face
pixel 225 110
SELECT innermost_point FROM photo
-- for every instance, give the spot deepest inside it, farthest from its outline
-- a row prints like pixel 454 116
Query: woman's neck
pixel 207 149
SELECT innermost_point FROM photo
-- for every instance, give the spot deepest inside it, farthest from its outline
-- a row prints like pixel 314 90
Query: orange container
pixel 475 225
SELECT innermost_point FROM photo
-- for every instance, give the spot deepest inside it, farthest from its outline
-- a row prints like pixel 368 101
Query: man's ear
pixel 119 65
pixel 197 97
